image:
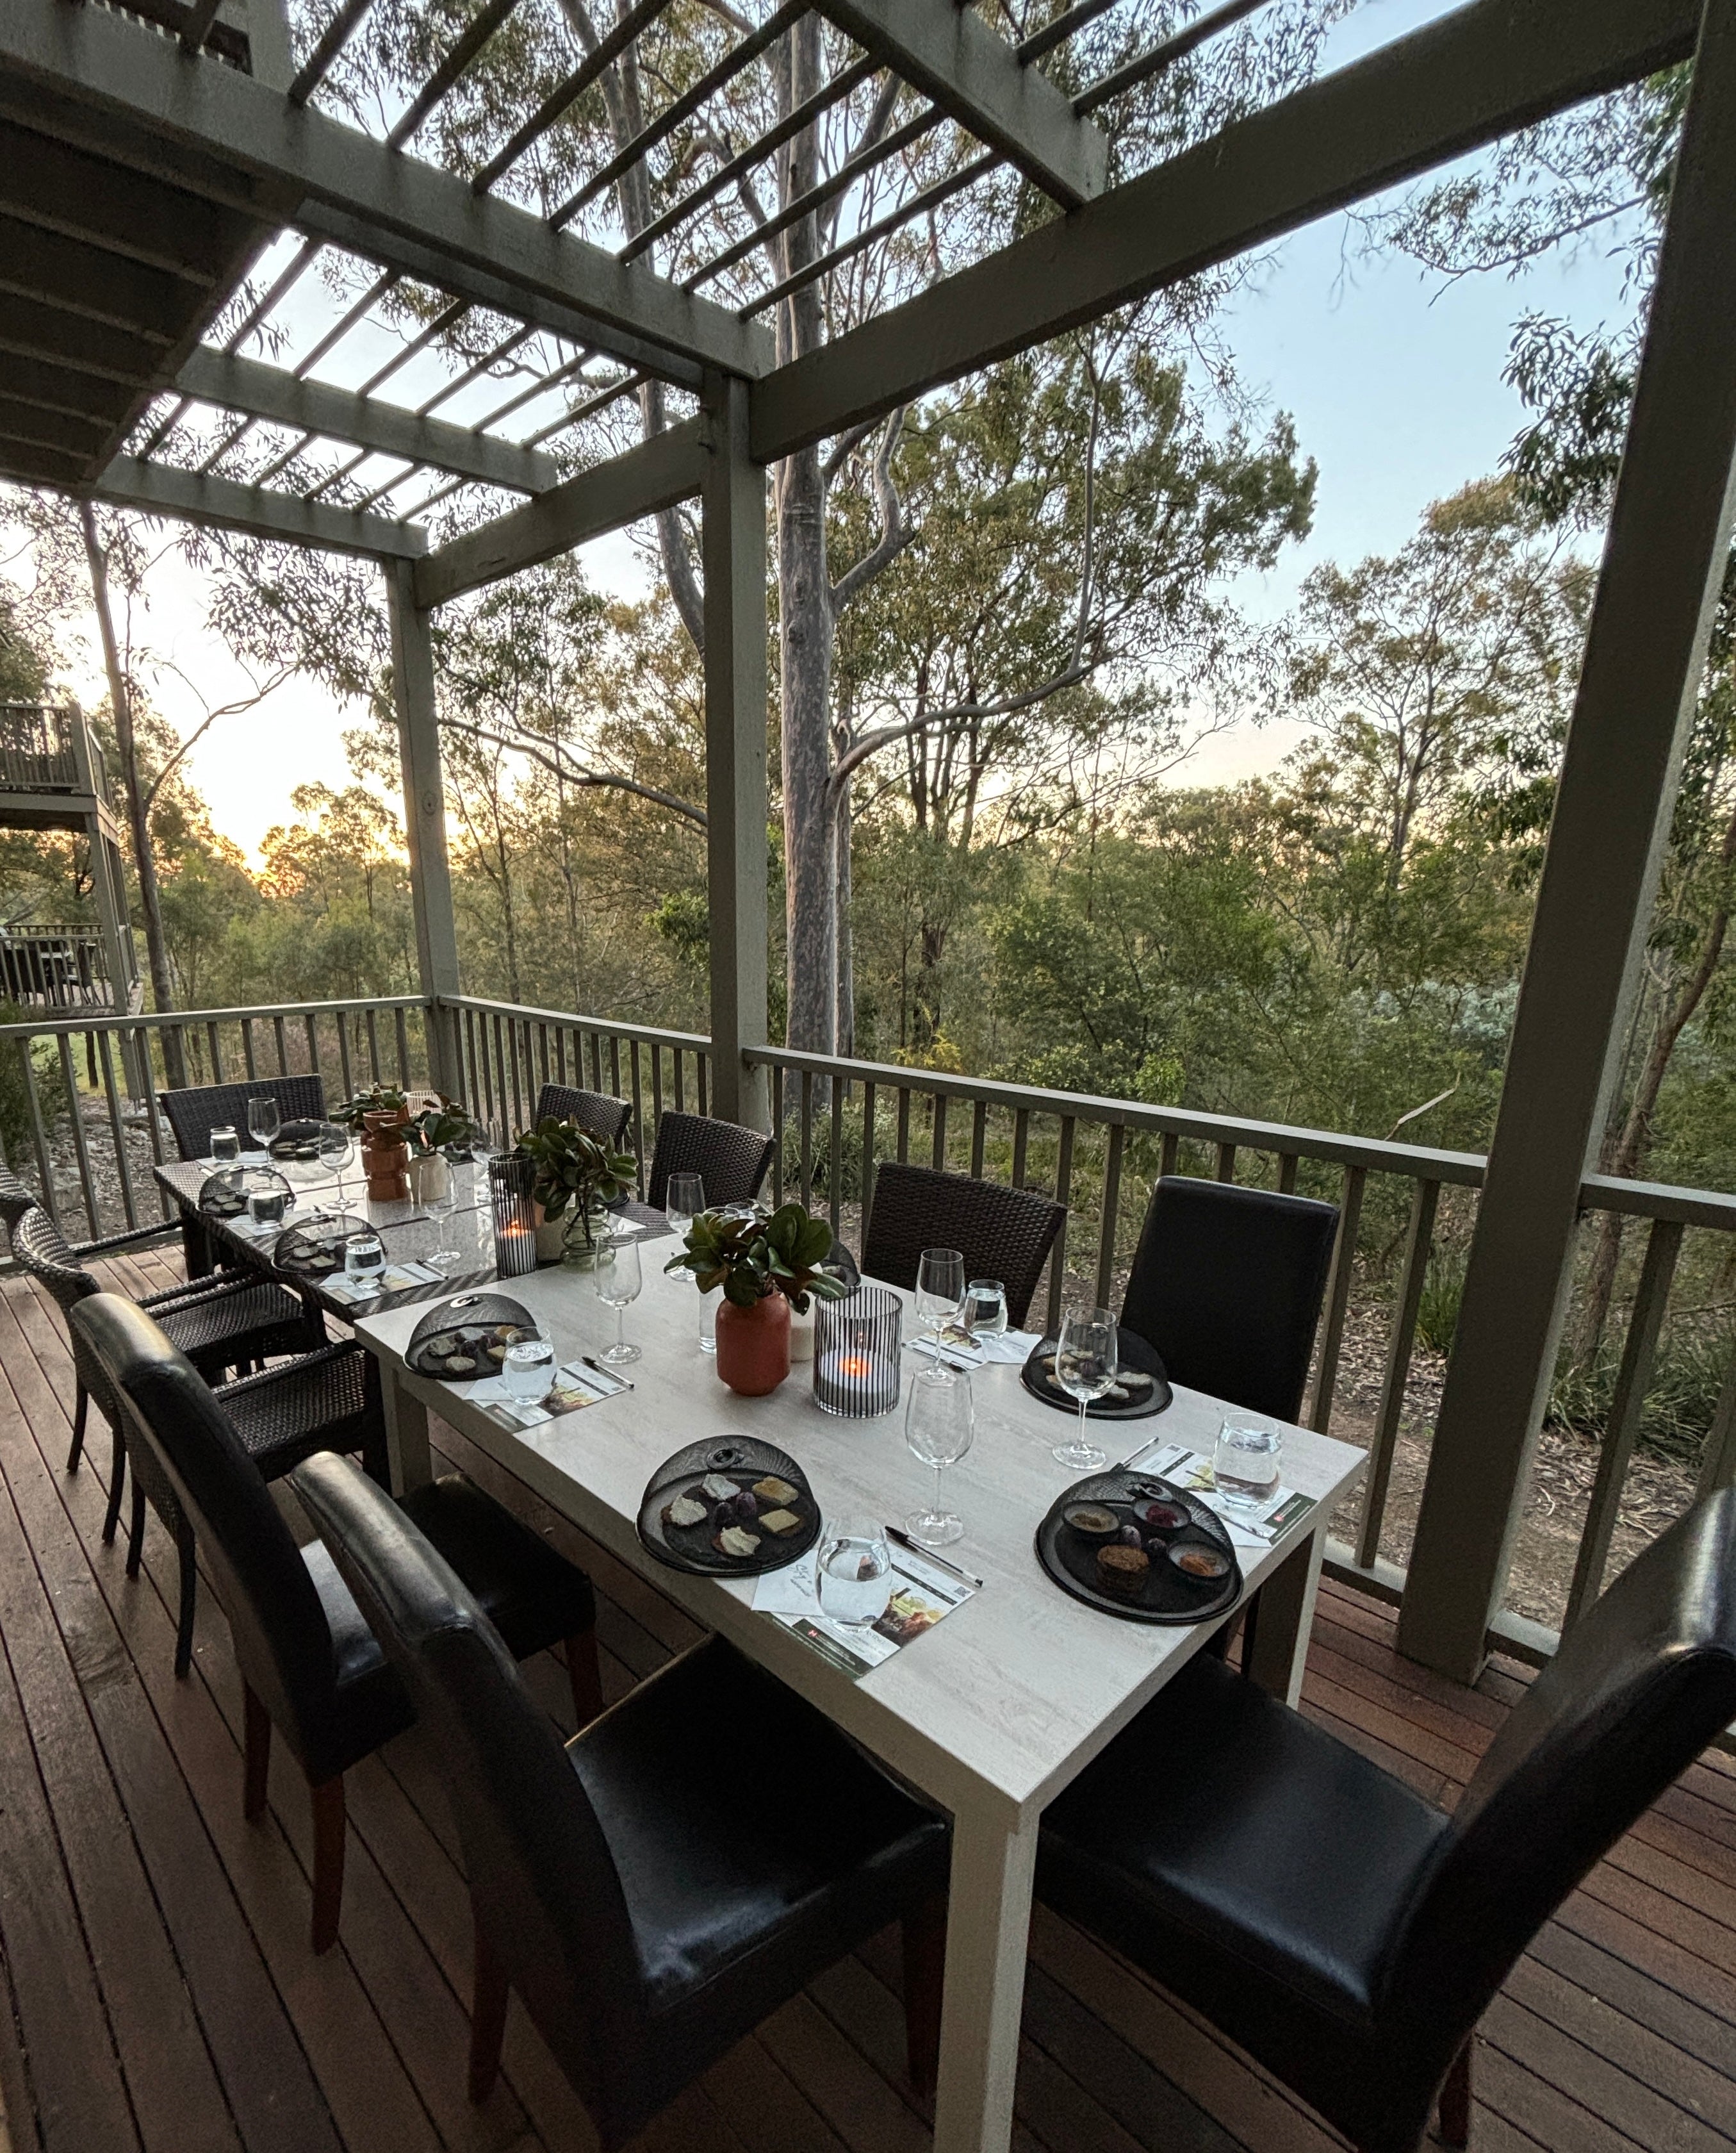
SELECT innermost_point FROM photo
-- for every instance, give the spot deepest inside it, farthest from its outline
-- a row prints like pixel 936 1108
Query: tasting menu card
pixel 1260 1526
pixel 923 1594
pixel 576 1385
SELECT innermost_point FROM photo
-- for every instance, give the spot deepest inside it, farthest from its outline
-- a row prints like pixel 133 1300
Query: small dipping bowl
pixel 1092 1521
pixel 1158 1517
pixel 1199 1559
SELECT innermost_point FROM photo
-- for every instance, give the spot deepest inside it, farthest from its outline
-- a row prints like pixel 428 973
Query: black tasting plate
pixel 740 1460
pixel 465 1328
pixel 1166 1594
pixel 1139 1361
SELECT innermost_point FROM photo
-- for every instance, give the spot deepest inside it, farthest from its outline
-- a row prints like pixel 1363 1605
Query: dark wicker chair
pixel 15 1198
pixel 597 1113
pixel 195 1112
pixel 730 1160
pixel 1005 1233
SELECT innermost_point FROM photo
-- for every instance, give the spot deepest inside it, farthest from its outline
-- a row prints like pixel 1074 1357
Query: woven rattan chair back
pixel 1005 1233
pixel 193 1112
pixel 597 1113
pixel 730 1160
pixel 15 1198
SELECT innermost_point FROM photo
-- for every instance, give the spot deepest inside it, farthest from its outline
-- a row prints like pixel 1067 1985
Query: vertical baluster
pixel 1288 1162
pixel 1058 1256
pixel 560 1053
pixel 313 1032
pixel 939 1155
pixel 1021 1144
pixel 1226 1162
pixel 374 1046
pixel 1167 1153
pixel 807 1134
pixel 638 1120
pixel 343 1060
pixel 656 1087
pixel 597 1063
pixel 216 1050
pixel 979 1136
pixel 701 1073
pixel 39 1136
pixel 1418 1238
pixel 401 1032
pixel 1338 1297
pixel 122 1166
pixel 1111 1213
pixel 777 1137
pixel 69 1077
pixel 516 1058
pixel 615 1067
pixel 282 1043
pixel 680 1081
pixel 1664 1244
pixel 867 1154
pixel 166 1207
pixel 904 1124
pixel 247 1057
pixel 835 1157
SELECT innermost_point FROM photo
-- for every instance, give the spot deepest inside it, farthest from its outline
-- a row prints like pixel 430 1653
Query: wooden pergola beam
pixel 1458 83
pixel 260 511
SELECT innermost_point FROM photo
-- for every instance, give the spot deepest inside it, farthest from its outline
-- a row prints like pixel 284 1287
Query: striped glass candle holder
pixel 509 1188
pixel 856 1372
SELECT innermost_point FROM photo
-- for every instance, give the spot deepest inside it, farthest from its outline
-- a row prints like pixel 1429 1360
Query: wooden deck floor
pixel 160 1994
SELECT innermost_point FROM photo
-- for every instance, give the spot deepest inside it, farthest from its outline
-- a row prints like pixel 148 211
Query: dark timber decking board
pixel 158 1994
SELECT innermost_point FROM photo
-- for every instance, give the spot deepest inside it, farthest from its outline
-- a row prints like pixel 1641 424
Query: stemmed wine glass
pixel 1088 1358
pixel 263 1121
pixel 939 1290
pixel 336 1151
pixel 619 1277
pixel 940 1419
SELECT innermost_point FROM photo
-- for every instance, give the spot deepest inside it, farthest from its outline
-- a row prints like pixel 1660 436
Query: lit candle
pixel 855 1382
pixel 856 1369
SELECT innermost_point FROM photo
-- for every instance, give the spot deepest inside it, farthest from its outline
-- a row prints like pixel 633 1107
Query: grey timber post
pixel 1662 564
pixel 425 813
pixel 734 505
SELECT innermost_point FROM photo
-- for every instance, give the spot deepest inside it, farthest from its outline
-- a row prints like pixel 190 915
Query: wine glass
pixel 939 1421
pixel 940 1289
pixel 619 1277
pixel 336 1151
pixel 1088 1358
pixel 263 1121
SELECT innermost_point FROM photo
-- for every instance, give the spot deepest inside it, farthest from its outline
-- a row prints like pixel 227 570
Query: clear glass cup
pixel 528 1370
pixel 336 1150
pixel 1245 1465
pixel 940 1420
pixel 684 1199
pixel 853 1574
pixel 1088 1358
pixel 985 1307
pixel 939 1290
pixel 265 1206
pixel 263 1121
pixel 440 1205
pixel 225 1145
pixel 364 1259
pixel 619 1276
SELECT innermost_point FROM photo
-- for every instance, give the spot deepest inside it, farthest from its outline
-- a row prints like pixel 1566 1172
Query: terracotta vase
pixel 386 1157
pixel 753 1345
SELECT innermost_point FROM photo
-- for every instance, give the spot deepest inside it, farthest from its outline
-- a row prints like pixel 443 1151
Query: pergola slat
pixel 162 490
pixel 82 279
pixel 1450 87
pixel 427 222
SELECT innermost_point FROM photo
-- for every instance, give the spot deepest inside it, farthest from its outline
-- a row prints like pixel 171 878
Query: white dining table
pixel 991 1712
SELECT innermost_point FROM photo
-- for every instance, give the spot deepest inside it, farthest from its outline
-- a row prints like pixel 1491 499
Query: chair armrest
pixel 322 1357
pixel 113 1244
pixel 215 1285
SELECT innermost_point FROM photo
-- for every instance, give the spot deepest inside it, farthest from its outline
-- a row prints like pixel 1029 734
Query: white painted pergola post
pixel 734 504
pixel 1663 562
pixel 424 816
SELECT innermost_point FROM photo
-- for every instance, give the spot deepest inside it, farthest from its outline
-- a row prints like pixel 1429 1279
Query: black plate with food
pixel 297 1143
pixel 734 1506
pixel 313 1248
pixel 1141 1388
pixel 1141 1548
pixel 466 1338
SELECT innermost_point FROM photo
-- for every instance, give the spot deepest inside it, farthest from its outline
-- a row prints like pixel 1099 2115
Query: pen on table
pixel 608 1374
pixel 928 1555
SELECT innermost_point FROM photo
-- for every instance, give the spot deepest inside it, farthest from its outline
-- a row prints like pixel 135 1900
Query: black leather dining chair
pixel 1345 1931
pixel 195 1110
pixel 600 1114
pixel 687 1864
pixel 1226 1284
pixel 1005 1233
pixel 309 1664
pixel 731 1161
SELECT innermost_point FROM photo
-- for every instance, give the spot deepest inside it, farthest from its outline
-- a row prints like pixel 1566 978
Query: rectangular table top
pixel 1008 1697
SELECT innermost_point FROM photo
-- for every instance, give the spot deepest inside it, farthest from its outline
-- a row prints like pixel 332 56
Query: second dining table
pixel 990 1714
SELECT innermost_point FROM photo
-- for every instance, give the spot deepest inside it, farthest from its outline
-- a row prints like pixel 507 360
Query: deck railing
pixel 835 1120
pixel 37 753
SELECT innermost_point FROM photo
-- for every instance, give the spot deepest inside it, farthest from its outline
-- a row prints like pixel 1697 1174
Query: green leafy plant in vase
pixel 575 1177
pixel 381 1112
pixel 765 1267
pixel 433 1133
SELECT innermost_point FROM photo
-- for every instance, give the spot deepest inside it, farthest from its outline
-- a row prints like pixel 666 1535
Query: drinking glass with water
pixel 985 1307
pixel 1246 1465
pixel 364 1261
pixel 529 1371
pixel 225 1144
pixel 854 1572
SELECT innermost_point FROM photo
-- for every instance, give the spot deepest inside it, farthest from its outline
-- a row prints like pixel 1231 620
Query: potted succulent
pixel 765 1267
pixel 577 1177
pixel 431 1133
pixel 382 1113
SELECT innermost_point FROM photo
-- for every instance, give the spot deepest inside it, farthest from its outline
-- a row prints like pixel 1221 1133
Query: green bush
pixel 17 1139
pixel 1443 1289
pixel 1687 1380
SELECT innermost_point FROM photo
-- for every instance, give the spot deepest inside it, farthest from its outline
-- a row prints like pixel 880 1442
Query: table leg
pixel 406 1435
pixel 989 1926
pixel 1279 1650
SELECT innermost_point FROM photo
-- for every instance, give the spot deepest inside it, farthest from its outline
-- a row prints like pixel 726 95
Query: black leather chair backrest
pixel 731 1161
pixel 196 1111
pixel 15 1198
pixel 1005 1233
pixel 282 1640
pixel 597 1112
pixel 541 1875
pixel 1227 1284
pixel 1640 1685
